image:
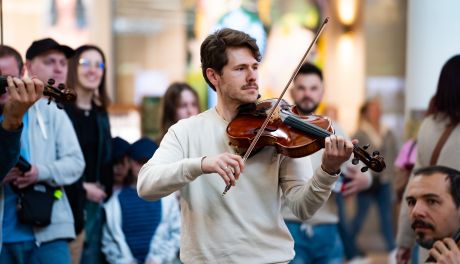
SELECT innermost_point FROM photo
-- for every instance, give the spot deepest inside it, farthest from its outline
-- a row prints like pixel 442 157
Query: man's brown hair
pixel 6 51
pixel 213 49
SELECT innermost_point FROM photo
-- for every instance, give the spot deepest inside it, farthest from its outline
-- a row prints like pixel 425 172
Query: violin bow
pixel 294 74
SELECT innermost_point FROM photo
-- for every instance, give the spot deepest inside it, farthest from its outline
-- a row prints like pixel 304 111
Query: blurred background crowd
pixel 135 67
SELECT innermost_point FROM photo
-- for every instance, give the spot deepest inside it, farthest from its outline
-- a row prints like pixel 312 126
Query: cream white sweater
pixel 246 225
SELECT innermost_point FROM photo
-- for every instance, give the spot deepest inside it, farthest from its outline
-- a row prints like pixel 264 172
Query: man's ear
pixel 28 66
pixel 22 71
pixel 213 76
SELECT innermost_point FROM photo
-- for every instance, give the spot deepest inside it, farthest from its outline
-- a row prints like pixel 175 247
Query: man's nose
pixel 419 210
pixel 252 75
pixel 58 68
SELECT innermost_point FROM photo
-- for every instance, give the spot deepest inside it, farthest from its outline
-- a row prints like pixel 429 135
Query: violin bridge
pixel 275 115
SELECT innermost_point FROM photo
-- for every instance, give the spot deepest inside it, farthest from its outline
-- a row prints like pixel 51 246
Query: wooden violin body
pixel 292 135
pixel 287 141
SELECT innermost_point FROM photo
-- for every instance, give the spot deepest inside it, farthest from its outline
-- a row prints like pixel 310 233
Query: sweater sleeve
pixel 167 171
pixel 305 190
pixel 9 146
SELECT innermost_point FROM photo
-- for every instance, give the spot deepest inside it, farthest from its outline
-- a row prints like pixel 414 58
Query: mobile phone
pixel 341 183
pixel 23 165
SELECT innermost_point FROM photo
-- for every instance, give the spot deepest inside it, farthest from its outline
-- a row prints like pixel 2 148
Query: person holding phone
pixel 433 199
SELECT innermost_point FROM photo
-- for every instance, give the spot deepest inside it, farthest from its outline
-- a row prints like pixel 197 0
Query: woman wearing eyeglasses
pixel 86 76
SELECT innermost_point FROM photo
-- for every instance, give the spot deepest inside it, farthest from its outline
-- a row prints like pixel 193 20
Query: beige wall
pixel 164 52
pixel 385 36
pixel 27 20
pixel 344 68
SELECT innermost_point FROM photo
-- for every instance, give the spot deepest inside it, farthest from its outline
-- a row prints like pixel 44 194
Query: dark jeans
pixel 382 196
pixel 92 253
pixel 56 251
pixel 349 245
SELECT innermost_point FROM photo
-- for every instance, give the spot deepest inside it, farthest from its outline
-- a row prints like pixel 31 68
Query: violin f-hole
pixel 267 129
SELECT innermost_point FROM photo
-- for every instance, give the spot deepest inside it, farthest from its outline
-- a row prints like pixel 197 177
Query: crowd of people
pixel 160 200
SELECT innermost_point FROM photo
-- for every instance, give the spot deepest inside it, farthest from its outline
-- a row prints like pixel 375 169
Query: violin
pixel 60 95
pixel 291 134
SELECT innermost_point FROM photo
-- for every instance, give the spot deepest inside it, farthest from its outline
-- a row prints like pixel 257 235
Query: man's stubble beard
pixel 427 244
pixel 307 111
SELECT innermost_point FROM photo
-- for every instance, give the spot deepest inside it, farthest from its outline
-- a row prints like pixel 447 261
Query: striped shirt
pixel 140 220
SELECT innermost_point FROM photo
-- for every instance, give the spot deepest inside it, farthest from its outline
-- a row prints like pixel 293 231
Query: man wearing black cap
pixel 50 145
pixel 47 59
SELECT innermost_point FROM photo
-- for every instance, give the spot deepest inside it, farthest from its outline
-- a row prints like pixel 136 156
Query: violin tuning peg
pixel 364 169
pixel 366 146
pixel 376 153
pixel 51 82
pixel 49 100
pixel 61 86
pixel 60 106
pixel 355 161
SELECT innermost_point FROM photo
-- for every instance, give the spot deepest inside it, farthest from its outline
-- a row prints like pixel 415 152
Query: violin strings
pixel 305 126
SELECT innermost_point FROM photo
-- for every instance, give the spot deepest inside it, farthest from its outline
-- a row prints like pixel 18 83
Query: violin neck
pixel 302 125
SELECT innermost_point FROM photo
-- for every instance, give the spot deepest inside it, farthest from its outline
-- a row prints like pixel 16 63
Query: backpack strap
pixel 442 140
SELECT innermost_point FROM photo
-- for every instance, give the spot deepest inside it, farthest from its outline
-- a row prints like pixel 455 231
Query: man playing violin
pixel 49 144
pixel 321 230
pixel 433 198
pixel 245 226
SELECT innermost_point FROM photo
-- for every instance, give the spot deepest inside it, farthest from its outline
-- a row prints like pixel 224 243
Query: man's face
pixel 432 211
pixel 49 65
pixel 8 67
pixel 238 81
pixel 307 92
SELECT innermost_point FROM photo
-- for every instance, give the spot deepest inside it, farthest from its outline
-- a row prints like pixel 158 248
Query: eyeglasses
pixel 87 63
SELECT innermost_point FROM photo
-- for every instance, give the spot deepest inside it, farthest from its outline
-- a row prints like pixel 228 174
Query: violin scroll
pixel 60 95
pixel 374 162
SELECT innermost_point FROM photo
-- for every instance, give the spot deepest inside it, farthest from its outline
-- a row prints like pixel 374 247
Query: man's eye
pixel 432 201
pixel 410 203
